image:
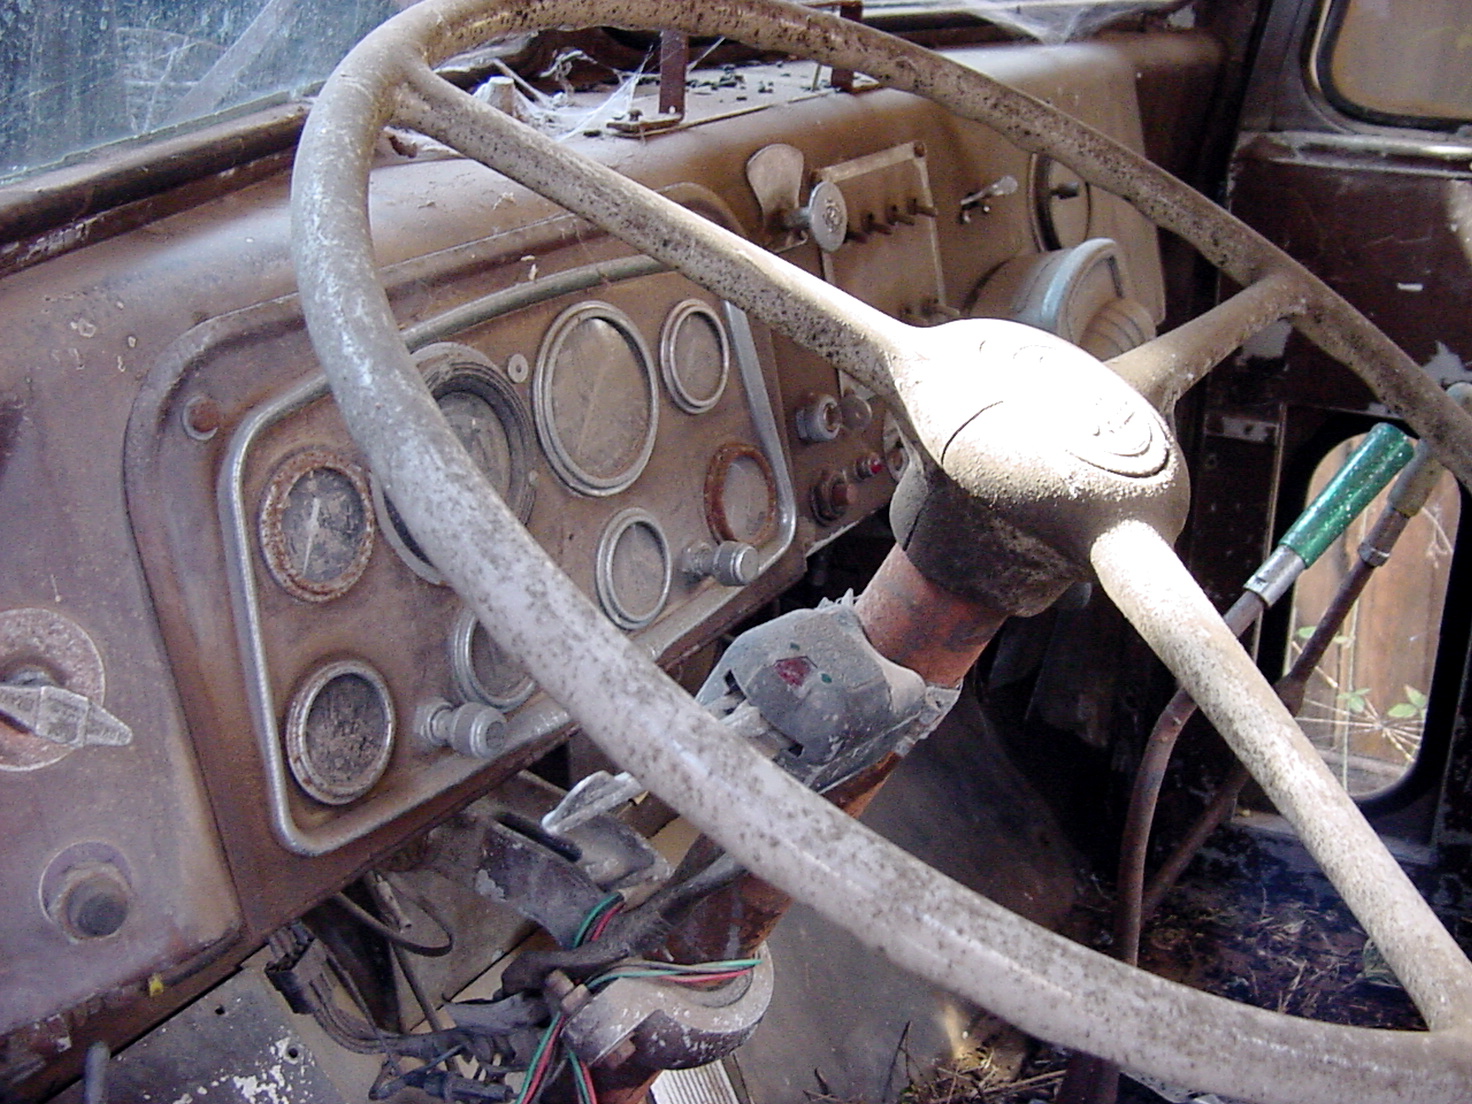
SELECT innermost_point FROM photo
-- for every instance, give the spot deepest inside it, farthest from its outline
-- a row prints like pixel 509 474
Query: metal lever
pixel 61 716
pixel 595 795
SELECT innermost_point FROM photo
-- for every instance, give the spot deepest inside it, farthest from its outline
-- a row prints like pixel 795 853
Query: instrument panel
pixel 351 643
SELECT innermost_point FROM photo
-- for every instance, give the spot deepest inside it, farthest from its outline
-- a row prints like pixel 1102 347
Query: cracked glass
pixel 79 74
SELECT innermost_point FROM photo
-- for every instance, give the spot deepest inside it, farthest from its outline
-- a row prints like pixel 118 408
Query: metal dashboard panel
pixel 254 378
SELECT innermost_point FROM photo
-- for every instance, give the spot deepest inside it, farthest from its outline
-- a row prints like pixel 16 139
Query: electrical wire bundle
pixel 610 944
pixel 545 1064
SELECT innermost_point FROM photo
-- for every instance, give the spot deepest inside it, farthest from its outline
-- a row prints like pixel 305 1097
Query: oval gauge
pixel 634 569
pixel 1062 204
pixel 339 731
pixel 594 399
pixel 741 495
pixel 483 671
pixel 694 356
pixel 316 527
pixel 490 421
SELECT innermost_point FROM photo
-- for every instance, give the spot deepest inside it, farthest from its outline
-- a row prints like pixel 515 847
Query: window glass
pixel 1365 706
pixel 1399 61
pixel 77 74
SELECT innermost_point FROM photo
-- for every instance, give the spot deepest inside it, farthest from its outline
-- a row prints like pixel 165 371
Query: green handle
pixel 1383 452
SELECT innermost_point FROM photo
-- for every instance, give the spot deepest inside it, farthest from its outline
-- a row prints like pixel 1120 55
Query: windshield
pixel 82 73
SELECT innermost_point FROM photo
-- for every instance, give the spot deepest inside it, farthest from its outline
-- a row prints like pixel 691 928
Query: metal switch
pixel 61 716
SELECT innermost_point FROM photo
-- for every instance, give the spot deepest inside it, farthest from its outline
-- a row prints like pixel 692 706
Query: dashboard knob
pixel 855 411
pixel 730 563
pixel 96 906
pixel 825 218
pixel 472 729
pixel 819 420
pixel 833 495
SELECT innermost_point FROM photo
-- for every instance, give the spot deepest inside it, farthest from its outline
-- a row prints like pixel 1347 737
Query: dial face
pixel 741 495
pixel 490 421
pixel 694 356
pixel 339 732
pixel 480 429
pixel 634 569
pixel 594 402
pixel 316 527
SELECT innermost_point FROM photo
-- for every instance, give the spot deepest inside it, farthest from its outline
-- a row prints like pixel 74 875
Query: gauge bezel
pixel 1048 234
pixel 462 666
pixel 680 314
pixel 271 528
pixel 567 468
pixel 299 763
pixel 715 493
pixel 608 595
pixel 448 366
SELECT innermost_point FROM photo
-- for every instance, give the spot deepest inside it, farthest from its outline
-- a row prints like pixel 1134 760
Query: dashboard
pixel 281 689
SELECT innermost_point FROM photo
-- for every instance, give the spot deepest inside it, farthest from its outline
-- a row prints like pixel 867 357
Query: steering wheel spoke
pixel 1164 369
pixel 1151 587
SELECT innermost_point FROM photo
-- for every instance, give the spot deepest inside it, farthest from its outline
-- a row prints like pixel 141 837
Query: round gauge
pixel 484 672
pixel 340 731
pixel 634 569
pixel 594 399
pixel 490 421
pixel 694 356
pixel 316 528
pixel 1062 204
pixel 741 495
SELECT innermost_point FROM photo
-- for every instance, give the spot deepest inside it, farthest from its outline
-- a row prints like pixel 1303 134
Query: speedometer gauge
pixel 490 421
pixel 594 399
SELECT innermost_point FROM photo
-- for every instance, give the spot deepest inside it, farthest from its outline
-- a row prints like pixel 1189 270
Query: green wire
pixel 593 916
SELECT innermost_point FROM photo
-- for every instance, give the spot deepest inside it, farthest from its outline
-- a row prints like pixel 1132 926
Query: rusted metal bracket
pixel 674 61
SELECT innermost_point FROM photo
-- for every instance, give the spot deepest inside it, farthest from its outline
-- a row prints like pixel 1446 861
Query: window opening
pixel 1365 705
pixel 1402 62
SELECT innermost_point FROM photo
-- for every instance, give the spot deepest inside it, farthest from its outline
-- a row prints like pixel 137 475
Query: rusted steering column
pixel 960 569
pixel 910 621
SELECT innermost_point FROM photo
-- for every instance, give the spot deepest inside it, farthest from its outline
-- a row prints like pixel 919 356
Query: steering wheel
pixel 787 835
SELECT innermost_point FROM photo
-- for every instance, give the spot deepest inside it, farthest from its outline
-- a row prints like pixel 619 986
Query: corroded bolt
pixel 202 417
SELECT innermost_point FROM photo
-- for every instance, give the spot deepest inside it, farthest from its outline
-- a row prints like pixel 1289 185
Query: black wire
pixel 394 935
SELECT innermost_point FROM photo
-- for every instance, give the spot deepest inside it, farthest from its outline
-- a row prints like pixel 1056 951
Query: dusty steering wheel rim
pixel 1039 981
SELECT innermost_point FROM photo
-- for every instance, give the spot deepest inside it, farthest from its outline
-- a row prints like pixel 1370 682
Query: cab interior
pixel 275 799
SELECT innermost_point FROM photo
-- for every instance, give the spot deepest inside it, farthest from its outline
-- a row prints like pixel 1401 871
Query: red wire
pixel 535 1077
pixel 601 924
pixel 695 979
